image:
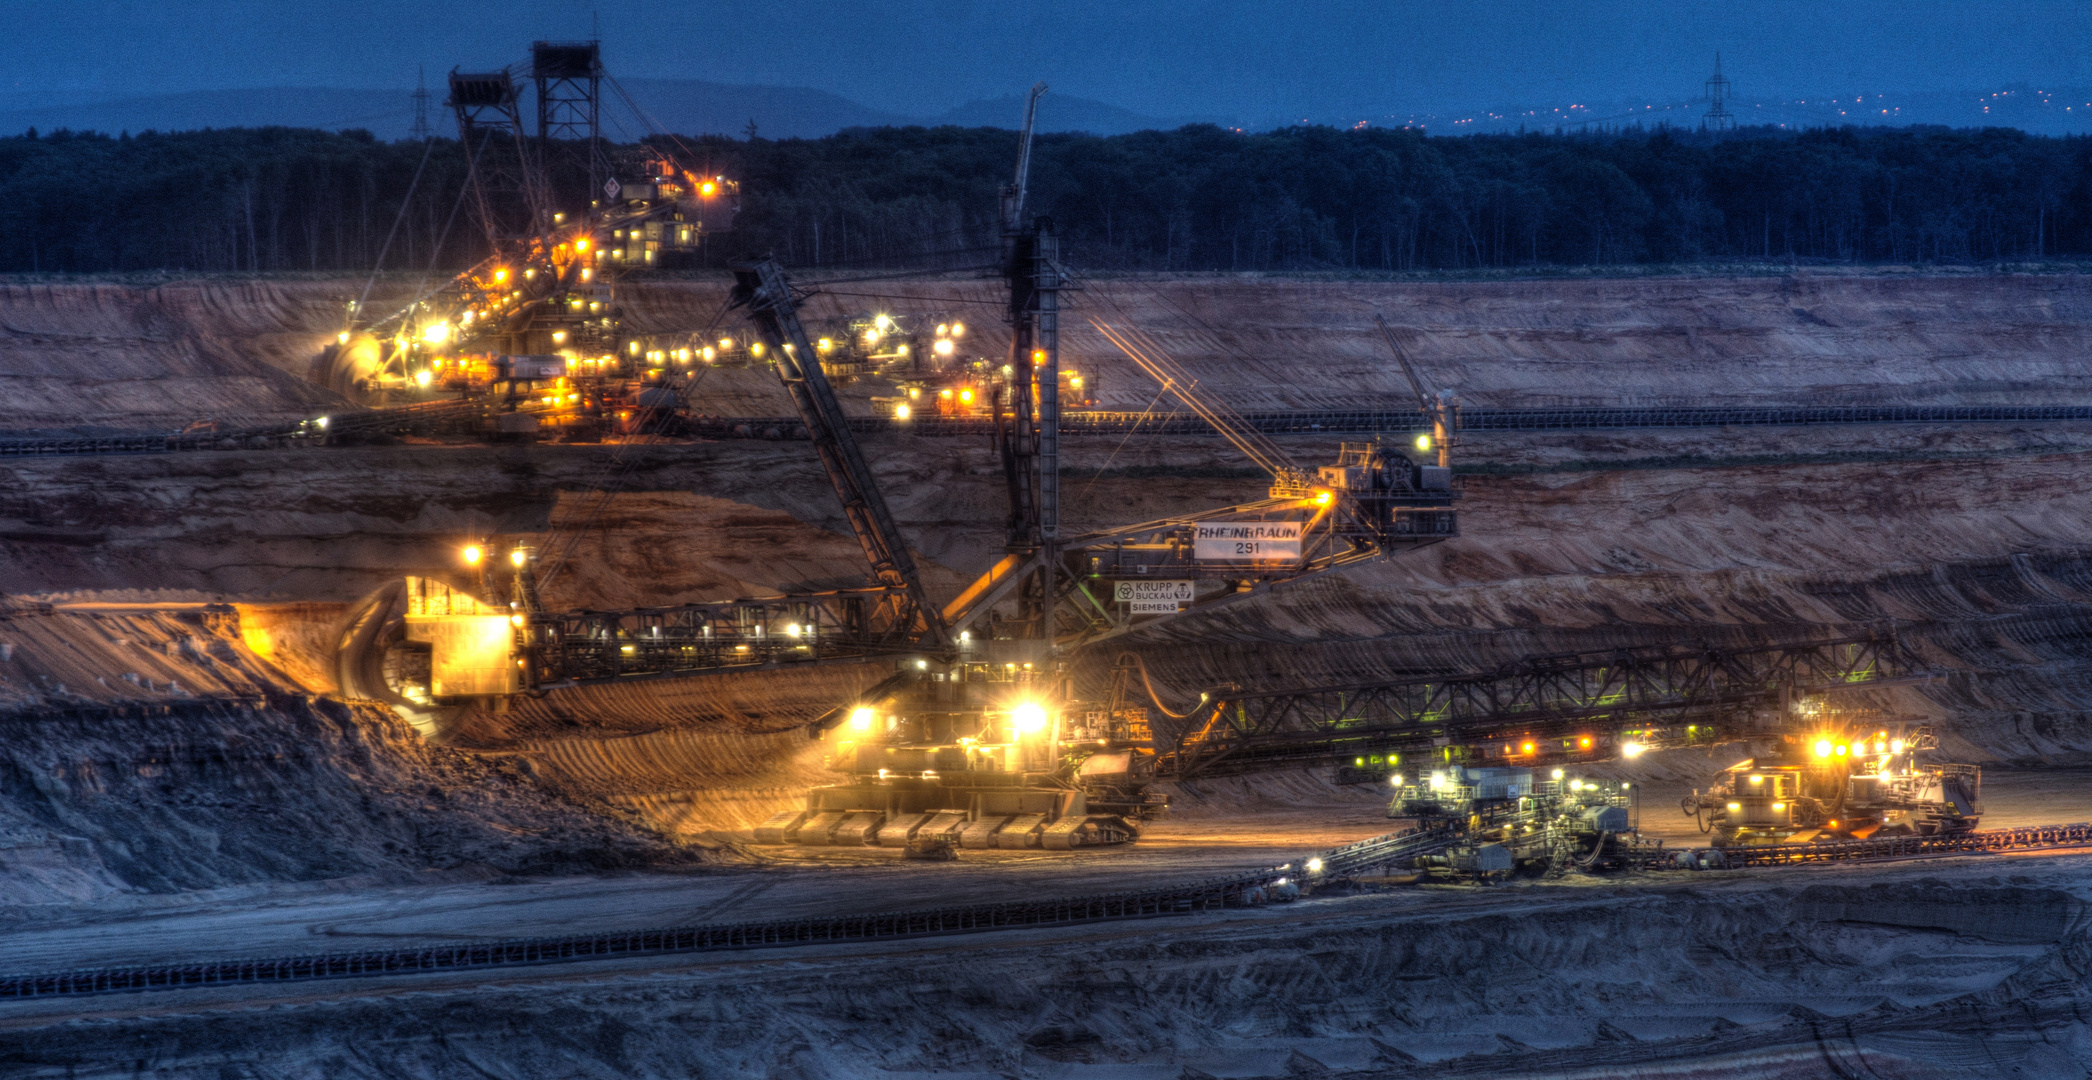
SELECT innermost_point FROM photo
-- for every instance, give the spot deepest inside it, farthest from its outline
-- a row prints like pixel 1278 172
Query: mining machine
pixel 1839 784
pixel 977 739
pixel 535 329
pixel 1507 821
pixel 987 745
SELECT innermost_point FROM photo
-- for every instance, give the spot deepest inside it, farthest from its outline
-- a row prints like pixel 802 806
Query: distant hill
pixel 1057 112
pixel 684 106
pixel 387 113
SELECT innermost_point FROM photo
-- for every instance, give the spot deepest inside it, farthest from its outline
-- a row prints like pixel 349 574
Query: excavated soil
pixel 1969 541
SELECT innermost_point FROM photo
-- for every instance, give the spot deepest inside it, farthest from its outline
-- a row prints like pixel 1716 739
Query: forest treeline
pixel 1199 198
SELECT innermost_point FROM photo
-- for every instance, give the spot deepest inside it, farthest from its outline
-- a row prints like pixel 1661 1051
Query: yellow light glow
pixel 1823 748
pixel 472 554
pixel 1838 751
pixel 516 557
pixel 1778 806
pixel 582 245
pixel 1895 746
pixel 1633 749
pixel 861 719
pixel 966 397
pixel 559 337
pixel 958 329
pixel 1423 443
pixel 755 348
pixel 1757 779
pixel 943 347
pixel 943 329
pixel 1735 807
pixel 1322 498
pixel 422 377
pixel 902 412
pixel 708 189
pixel 500 275
pixel 1029 717
pixel 342 337
pixel 825 344
pixel 436 333
pixel 882 322
pixel 710 355
pixel 633 348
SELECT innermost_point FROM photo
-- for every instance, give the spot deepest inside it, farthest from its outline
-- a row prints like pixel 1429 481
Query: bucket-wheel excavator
pixel 985 744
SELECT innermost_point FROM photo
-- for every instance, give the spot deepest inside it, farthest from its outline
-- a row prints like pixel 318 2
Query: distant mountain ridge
pixel 683 106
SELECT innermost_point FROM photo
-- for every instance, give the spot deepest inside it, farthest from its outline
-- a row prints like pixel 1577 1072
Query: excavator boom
pixel 761 288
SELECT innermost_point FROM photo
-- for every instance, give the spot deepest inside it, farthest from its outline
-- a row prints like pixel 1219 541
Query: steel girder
pixel 1573 696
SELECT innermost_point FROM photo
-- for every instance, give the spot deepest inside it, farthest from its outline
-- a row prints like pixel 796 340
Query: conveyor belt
pixel 1356 422
pixel 1205 895
pixel 1079 424
pixel 1906 847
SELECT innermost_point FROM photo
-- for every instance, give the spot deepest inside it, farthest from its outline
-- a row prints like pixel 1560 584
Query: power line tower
pixel 1718 117
pixel 421 132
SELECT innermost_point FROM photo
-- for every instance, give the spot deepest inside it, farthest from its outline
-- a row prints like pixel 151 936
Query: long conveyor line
pixel 1086 423
pixel 1904 847
pixel 1204 895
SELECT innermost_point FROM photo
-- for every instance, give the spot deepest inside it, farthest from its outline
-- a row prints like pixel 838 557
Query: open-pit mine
pixel 1736 725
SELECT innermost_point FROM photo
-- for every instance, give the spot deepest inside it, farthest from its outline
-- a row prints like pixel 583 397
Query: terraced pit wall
pixel 1969 539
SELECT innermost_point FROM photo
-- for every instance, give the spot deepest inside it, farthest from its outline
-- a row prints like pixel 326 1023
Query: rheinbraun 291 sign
pixel 1246 541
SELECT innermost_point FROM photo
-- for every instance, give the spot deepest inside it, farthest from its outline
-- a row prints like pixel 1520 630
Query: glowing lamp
pixel 1633 749
pixel 1423 443
pixel 1029 717
pixel 861 719
pixel 472 554
pixel 943 347
pixel 1823 748
pixel 958 329
pixel 516 557
pixel 902 412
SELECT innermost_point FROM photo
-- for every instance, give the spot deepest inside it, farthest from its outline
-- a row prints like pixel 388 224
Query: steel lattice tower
pixel 569 81
pixel 421 132
pixel 1718 117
